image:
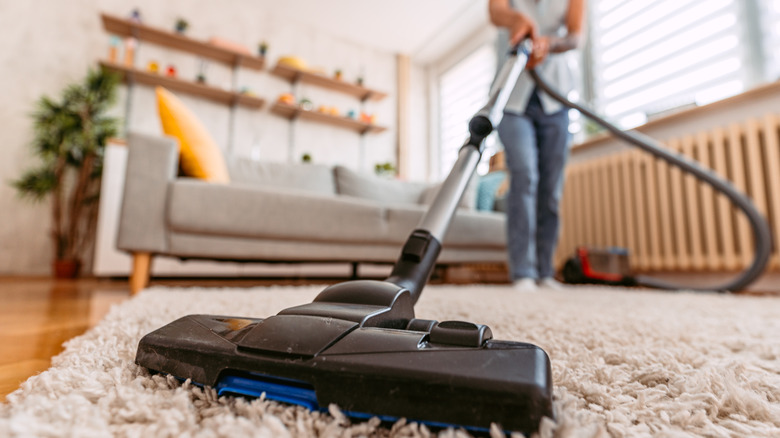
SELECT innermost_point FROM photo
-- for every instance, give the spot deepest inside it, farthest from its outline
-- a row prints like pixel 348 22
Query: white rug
pixel 625 363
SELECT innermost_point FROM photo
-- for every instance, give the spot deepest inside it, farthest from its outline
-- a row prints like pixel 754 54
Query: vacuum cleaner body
pixel 608 266
pixel 359 345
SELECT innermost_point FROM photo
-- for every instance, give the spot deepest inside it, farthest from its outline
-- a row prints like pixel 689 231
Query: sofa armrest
pixel 152 163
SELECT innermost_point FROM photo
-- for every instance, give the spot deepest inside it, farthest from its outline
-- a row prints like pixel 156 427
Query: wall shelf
pixel 292 112
pixel 294 75
pixel 126 28
pixel 218 95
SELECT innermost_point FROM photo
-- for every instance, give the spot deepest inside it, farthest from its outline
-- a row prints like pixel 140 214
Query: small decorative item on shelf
pixel 262 48
pixel 130 44
pixel 181 25
pixel 292 62
pixel 306 158
pixel 287 98
pixel 384 169
pixel 135 16
pixel 333 111
pixel 153 67
pixel 230 45
pixel 306 104
pixel 367 118
pixel 170 71
pixel 246 91
pixel 113 49
pixel 337 75
pixel 201 77
pixel 361 77
pixel 323 109
pixel 351 114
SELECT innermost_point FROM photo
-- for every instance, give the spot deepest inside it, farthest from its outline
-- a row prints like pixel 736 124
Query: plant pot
pixel 66 268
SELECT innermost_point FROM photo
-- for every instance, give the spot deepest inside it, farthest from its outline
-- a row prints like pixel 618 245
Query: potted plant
pixel 181 25
pixel 262 48
pixel 384 169
pixel 69 138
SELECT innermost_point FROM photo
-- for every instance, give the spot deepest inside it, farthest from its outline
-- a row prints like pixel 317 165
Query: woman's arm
pixel 503 15
pixel 575 21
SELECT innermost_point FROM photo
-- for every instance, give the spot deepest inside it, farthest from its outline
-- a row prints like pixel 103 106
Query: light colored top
pixel 557 69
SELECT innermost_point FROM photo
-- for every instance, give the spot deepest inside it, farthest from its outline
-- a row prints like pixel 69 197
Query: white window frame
pixel 483 37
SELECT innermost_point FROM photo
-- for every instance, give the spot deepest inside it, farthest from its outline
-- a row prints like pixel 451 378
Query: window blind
pixel 463 90
pixel 651 56
pixel 770 13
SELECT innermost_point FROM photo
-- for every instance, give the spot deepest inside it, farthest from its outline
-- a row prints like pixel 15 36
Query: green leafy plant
pixel 181 25
pixel 69 139
pixel 384 169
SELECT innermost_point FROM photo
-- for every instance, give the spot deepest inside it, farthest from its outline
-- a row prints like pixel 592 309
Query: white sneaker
pixel 550 283
pixel 524 285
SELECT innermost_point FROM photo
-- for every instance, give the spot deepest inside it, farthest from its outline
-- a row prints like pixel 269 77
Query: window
pixel 770 13
pixel 463 90
pixel 650 56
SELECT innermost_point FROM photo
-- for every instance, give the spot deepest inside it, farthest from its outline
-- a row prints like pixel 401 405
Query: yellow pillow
pixel 199 154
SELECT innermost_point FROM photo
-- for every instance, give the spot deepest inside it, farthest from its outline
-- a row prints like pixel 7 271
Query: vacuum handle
pixel 421 250
pixel 505 83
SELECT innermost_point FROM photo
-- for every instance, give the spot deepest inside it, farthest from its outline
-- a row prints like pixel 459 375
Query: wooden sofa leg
pixel 139 278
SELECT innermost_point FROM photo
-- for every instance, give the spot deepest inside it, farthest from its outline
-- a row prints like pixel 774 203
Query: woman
pixel 535 133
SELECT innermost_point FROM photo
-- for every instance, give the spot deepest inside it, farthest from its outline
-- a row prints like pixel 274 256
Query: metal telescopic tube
pixel 439 214
pixel 438 217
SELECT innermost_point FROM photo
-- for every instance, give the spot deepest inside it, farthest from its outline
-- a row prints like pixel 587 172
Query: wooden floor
pixel 38 314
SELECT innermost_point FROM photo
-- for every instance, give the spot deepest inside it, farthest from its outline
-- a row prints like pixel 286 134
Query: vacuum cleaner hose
pixel 761 231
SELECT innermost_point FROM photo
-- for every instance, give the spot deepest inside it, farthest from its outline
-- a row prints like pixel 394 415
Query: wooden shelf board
pixel 212 93
pixel 127 28
pixel 293 111
pixel 293 75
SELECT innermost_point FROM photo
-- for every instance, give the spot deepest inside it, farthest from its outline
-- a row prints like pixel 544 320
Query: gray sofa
pixel 275 212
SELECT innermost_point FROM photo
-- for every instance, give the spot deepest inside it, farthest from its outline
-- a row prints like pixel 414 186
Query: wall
pixel 48 44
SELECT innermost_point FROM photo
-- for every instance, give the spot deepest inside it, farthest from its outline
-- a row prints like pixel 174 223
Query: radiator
pixel 667 219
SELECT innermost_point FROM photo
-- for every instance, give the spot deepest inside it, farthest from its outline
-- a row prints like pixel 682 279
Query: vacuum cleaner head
pixel 358 345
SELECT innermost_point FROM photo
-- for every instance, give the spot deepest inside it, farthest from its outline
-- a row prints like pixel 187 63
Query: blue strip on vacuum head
pixel 302 394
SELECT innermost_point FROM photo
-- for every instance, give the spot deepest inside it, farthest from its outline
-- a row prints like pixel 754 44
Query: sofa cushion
pixel 467 229
pixel 200 156
pixel 366 186
pixel 467 201
pixel 315 178
pixel 240 210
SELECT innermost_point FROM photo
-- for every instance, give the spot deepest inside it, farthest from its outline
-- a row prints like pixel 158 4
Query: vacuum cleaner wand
pixel 761 230
pixel 421 250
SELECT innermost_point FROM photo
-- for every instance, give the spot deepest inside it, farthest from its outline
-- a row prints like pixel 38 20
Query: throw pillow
pixel 488 188
pixel 313 178
pixel 366 186
pixel 200 156
pixel 467 201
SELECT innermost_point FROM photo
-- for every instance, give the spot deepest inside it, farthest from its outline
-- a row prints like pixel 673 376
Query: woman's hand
pixel 539 52
pixel 522 27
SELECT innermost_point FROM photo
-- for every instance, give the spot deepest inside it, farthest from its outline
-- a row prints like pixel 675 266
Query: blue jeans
pixel 536 146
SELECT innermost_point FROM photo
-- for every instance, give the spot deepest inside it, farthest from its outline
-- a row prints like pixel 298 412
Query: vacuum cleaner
pixel 359 344
pixel 761 231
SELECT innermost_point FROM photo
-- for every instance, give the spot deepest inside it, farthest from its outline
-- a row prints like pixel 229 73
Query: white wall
pixel 47 44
